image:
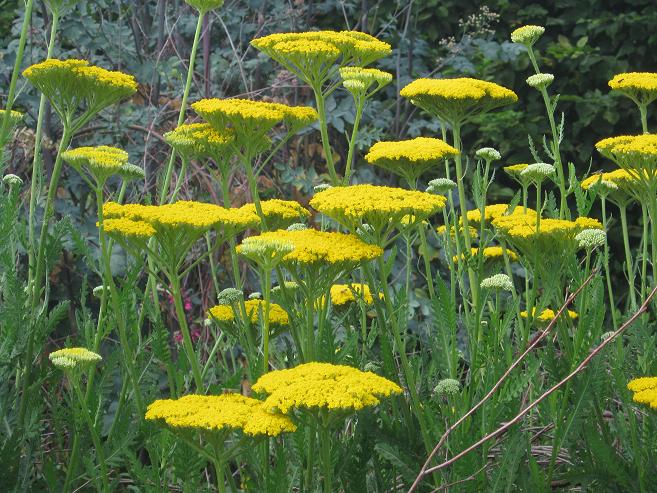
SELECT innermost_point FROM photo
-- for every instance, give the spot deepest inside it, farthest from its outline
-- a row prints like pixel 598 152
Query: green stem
pixel 265 323
pixel 11 94
pixel 100 454
pixel 643 109
pixel 325 451
pixel 184 329
pixel 323 129
pixel 610 290
pixel 352 141
pixel 183 104
pixel 427 261
pixel 644 251
pixel 628 255
pixel 310 457
pixel 36 161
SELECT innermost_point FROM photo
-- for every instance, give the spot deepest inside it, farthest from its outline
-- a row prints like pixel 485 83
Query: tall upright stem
pixel 628 254
pixel 11 94
pixel 610 290
pixel 352 141
pixel 323 129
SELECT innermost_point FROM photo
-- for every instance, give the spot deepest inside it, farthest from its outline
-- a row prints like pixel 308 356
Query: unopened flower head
pixel 498 282
pixel 540 81
pixel 321 187
pixel 130 172
pixel 441 186
pixel 447 387
pixel 265 251
pixel 12 180
pixel 537 172
pixel 297 227
pixel 590 239
pixel 256 295
pixel 488 154
pixel 98 291
pixel 74 358
pixel 527 35
pixel 229 296
pixel 358 80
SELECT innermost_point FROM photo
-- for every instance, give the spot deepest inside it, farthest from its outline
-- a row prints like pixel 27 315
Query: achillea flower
pixel 134 231
pixel 204 6
pixel 253 119
pixel 488 154
pixel 441 186
pixel 200 141
pixel 229 295
pixel 527 35
pixel 15 117
pixel 627 185
pixel 70 84
pixel 316 386
pixel 540 81
pixel 490 253
pixel 185 217
pixel 590 239
pixel 12 180
pixel 493 211
pixel 644 391
pixel 267 253
pixel 312 247
pixel 548 315
pixel 358 80
pixel 100 162
pixel 341 294
pixel 377 206
pixel 537 172
pixel 457 100
pixel 515 170
pixel 212 413
pixel 311 54
pixel 631 151
pixel 442 230
pixel 410 158
pixel 74 358
pixel 255 309
pixel 278 213
pixel 641 87
pixel 498 282
pixel 447 387
pixel 131 172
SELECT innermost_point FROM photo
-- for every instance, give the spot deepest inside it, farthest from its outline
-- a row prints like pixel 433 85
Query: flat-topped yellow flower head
pixel 359 80
pixel 636 154
pixel 204 6
pixel 311 55
pixel 547 315
pixel 280 214
pixel 15 117
pixel 100 162
pixel 252 120
pixel 214 413
pixel 489 253
pixel 493 211
pixel 312 247
pixel 619 185
pixel 255 310
pixel 74 85
pixel 457 100
pixel 644 391
pixel 640 87
pixel 74 358
pixel 200 141
pixel 317 386
pixel 380 207
pixel 183 221
pixel 343 294
pixel 134 231
pixel 553 238
pixel 410 158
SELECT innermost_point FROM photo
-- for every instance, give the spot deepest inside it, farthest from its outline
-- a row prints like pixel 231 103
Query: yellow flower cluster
pixel 101 162
pixel 314 386
pixel 625 182
pixel 254 309
pixel 289 49
pixel 66 82
pixel 129 229
pixel 279 213
pixel 253 119
pixel 183 216
pixel 219 412
pixel 199 141
pixel 457 100
pixel 640 86
pixel 548 314
pixel 341 294
pixel 358 80
pixel 14 117
pixel 644 391
pixel 493 211
pixel 410 158
pixel 313 247
pixel 490 253
pixel 74 358
pixel 375 205
pixel 442 230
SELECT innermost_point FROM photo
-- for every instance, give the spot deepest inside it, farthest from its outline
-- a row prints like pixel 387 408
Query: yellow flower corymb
pixel 638 86
pixel 548 314
pixel 101 162
pixel 313 247
pixel 644 390
pixel 493 211
pixel 491 253
pixel 279 213
pixel 314 386
pixel 341 294
pixel 254 309
pixel 410 158
pixel 377 206
pixel 200 140
pixel 219 412
pixel 457 100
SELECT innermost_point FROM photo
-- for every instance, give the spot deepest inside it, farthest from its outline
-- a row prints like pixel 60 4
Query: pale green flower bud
pixel 297 227
pixel 256 295
pixel 229 296
pixel 12 180
pixel 540 81
pixel 527 35
pixel 447 387
pixel 498 282
pixel 441 186
pixel 590 239
pixel 537 172
pixel 488 154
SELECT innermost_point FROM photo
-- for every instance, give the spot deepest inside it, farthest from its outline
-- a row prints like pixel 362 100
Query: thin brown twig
pixel 534 343
pixel 642 309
